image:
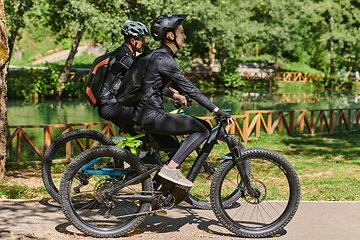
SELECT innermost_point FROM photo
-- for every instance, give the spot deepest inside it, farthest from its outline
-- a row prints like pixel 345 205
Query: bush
pixel 229 76
pixel 74 88
pixel 30 84
pixel 46 82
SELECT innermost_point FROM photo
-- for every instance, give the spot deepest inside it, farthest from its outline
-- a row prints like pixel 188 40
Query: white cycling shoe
pixel 175 176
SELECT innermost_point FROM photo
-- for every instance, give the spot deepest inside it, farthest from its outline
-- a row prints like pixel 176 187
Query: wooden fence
pixel 251 124
pixel 297 77
pixel 20 133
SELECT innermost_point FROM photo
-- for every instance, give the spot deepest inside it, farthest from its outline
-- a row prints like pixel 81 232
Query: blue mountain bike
pixel 108 191
pixel 70 144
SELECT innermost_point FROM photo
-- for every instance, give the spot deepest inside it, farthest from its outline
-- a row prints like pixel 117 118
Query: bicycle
pixel 70 144
pixel 103 199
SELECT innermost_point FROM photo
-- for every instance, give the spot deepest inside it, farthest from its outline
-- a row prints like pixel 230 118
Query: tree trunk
pixel 66 71
pixel 23 7
pixel 4 56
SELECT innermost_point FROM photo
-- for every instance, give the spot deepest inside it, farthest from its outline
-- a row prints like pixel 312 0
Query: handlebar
pixel 222 119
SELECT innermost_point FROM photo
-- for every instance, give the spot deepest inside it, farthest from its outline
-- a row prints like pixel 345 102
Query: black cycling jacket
pixel 163 67
pixel 123 60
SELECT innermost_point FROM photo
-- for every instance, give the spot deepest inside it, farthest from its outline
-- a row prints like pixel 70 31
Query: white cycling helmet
pixel 135 29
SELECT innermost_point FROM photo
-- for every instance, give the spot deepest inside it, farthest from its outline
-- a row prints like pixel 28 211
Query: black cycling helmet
pixel 134 29
pixel 164 23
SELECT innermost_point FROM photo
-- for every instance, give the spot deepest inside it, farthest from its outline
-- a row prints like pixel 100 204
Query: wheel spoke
pixel 265 212
pixel 101 213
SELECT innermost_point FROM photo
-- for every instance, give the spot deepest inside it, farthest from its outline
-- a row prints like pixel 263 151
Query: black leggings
pixel 176 124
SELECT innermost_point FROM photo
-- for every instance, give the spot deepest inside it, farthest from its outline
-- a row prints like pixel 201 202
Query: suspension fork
pixel 240 165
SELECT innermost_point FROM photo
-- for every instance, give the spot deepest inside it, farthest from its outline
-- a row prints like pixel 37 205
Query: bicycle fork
pixel 240 165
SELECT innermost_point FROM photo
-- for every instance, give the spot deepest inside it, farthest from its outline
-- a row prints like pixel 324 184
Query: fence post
pixel 246 127
pixel 18 147
pixel 332 121
pixel 291 124
pixel 269 123
pixel 47 137
pixel 258 125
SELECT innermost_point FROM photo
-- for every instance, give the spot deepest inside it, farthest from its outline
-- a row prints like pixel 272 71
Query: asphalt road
pixel 313 220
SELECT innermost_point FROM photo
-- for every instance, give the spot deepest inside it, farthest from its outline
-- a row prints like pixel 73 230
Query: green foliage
pixel 46 83
pixel 229 77
pixel 286 31
pixel 30 84
pixel 74 89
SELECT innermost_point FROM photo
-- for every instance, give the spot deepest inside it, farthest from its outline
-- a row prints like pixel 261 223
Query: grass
pixel 328 167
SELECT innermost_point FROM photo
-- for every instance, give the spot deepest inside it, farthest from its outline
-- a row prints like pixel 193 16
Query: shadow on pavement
pixel 174 223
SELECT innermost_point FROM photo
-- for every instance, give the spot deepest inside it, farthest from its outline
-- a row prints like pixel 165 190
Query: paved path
pixel 313 221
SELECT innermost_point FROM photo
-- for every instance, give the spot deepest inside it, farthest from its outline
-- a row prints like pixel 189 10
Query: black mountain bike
pixel 254 193
pixel 70 144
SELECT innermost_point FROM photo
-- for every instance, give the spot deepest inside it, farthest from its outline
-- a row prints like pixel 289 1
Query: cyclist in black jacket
pixel 134 35
pixel 168 29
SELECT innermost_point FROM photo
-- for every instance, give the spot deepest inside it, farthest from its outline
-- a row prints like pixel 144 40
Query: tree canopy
pixel 320 33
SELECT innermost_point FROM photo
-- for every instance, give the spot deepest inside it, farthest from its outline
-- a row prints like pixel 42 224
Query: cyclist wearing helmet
pixel 168 29
pixel 134 33
pixel 134 37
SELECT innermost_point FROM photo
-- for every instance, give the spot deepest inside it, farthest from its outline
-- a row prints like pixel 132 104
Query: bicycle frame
pixel 180 192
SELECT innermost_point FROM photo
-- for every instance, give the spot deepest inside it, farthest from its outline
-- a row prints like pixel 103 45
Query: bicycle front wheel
pixel 278 194
pixel 90 196
pixel 63 149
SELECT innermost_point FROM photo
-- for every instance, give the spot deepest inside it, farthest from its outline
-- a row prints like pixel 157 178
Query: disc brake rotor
pixel 258 187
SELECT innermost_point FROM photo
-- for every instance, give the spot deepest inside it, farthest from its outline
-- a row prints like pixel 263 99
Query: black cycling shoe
pixel 148 159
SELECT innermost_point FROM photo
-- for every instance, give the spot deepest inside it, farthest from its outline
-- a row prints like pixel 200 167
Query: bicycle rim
pixel 85 195
pixel 276 181
pixel 63 150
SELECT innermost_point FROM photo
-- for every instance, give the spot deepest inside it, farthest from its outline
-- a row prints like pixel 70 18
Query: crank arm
pixel 146 198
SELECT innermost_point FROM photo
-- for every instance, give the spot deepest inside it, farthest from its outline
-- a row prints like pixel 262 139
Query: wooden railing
pixel 20 133
pixel 299 122
pixel 297 77
pixel 251 124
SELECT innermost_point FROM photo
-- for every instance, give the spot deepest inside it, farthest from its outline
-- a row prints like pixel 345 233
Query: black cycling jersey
pixel 163 67
pixel 109 109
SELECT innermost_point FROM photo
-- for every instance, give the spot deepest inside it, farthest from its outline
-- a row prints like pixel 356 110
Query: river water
pixel 79 111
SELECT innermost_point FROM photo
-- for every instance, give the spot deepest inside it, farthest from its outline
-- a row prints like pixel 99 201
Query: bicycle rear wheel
pixel 199 195
pixel 88 201
pixel 63 149
pixel 278 188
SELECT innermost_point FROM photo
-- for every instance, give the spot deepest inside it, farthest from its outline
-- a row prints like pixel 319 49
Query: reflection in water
pixel 79 111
